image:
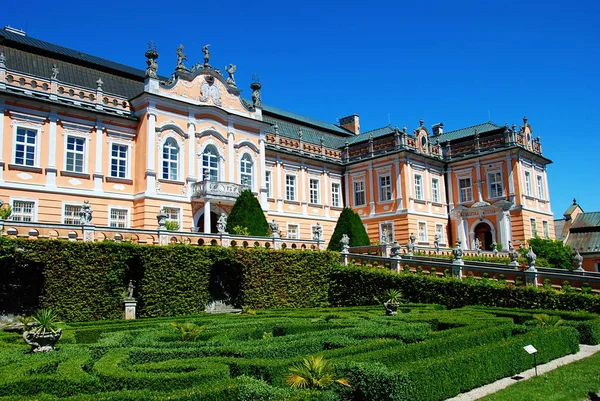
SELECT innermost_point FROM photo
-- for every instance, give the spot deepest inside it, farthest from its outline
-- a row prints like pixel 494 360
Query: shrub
pixel 171 225
pixel 247 212
pixel 557 254
pixel 348 223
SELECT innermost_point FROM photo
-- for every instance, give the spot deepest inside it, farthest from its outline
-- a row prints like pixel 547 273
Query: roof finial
pixel 54 75
pixel 421 122
pixel 99 83
pixel 574 201
pixel 525 120
pixel 151 55
pixel 180 57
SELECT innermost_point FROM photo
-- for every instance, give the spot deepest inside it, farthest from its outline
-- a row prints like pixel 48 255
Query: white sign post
pixel 530 349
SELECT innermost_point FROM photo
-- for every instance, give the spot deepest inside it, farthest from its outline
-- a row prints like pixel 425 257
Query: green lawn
pixel 572 382
pixel 425 353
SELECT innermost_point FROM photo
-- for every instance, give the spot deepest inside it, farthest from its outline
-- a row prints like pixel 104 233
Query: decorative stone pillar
pixel 578 262
pixel 395 257
pixel 130 308
pixel 207 217
pixel 531 274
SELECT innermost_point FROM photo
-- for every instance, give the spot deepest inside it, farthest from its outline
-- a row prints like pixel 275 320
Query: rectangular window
pixel 534 232
pixel 25 145
pixel 387 230
pixel 359 193
pixel 23 210
pixel 546 229
pixel 72 214
pixel 422 231
pixel 527 183
pixel 335 195
pixel 290 187
pixel 435 190
pixel 418 187
pixel 292 231
pixel 540 187
pixel 268 184
pixel 172 213
pixel 118 161
pixel 385 188
pixel 439 231
pixel 119 218
pixel 75 154
pixel 495 184
pixel 314 196
pixel 466 192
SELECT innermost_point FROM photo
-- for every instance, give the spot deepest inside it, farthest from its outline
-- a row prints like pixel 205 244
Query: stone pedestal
pixel 531 276
pixel 89 233
pixel 457 268
pixel 130 308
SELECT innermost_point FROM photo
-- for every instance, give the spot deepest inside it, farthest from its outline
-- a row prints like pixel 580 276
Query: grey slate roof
pixel 585 241
pixel 468 131
pixel 376 133
pixel 306 120
pixel 589 220
pixel 560 229
pixel 312 135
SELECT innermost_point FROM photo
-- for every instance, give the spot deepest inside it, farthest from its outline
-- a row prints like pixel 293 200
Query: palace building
pixel 134 143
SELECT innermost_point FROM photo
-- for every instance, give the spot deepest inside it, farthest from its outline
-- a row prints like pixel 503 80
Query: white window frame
pixel 36 145
pixel 495 187
pixel 419 190
pixel 540 186
pixel 422 235
pixel 127 216
pixel 217 169
pixel 533 223
pixel 296 231
pixel 528 188
pixel 435 190
pixel 84 153
pixel 467 190
pixel 336 194
pixel 269 183
pixel 170 162
pixel 314 191
pixel 127 159
pixel 390 226
pixel 291 187
pixel 439 230
pixel 247 170
pixel 385 188
pixel 164 208
pixel 34 211
pixel 359 188
pixel 546 229
pixel 76 218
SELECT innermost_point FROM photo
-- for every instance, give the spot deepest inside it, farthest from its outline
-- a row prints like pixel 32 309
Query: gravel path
pixel 475 394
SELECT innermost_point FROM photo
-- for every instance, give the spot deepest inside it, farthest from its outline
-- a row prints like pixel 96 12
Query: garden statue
pixel 395 250
pixel 494 248
pixel 345 242
pixel 230 71
pixel 411 243
pixel 130 288
pixel 222 223
pixel 477 245
pixel 436 242
pixel 274 228
pixel 180 57
pixel 85 215
pixel 578 262
pixel 512 254
pixel 531 257
pixel 206 55
pixel 318 232
pixel 457 251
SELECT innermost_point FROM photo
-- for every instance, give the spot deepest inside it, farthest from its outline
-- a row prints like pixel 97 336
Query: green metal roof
pixel 468 131
pixel 309 134
pixel 376 133
pixel 585 241
pixel 589 220
pixel 305 120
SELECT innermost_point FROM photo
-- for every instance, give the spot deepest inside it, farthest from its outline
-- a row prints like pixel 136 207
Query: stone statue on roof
pixel 206 55
pixel 180 57
pixel 230 71
pixel 54 75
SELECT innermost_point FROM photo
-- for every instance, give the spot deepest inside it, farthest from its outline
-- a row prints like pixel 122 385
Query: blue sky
pixel 456 62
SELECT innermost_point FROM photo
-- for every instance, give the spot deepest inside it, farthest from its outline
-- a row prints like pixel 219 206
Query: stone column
pixel 207 217
pixel 98 175
pixel 371 195
pixel 151 151
pixel 52 149
pixel 280 179
pixel 230 154
pixel 262 187
pixel 191 174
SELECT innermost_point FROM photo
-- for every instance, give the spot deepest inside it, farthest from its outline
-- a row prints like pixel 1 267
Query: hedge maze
pixel 423 353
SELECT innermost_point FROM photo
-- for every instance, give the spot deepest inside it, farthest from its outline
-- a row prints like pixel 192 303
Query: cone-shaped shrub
pixel 349 223
pixel 247 213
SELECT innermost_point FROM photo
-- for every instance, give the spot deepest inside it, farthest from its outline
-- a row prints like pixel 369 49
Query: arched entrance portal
pixel 214 217
pixel 483 232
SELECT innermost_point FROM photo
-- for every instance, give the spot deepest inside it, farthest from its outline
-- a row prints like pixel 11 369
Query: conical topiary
pixel 348 223
pixel 247 213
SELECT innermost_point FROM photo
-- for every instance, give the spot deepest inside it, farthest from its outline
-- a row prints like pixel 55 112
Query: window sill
pixel 315 205
pixel 337 207
pixel 423 243
pixel 20 167
pixel 171 181
pixel 420 201
pixel 119 180
pixel 437 204
pixel 292 202
pixel 383 202
pixel 74 174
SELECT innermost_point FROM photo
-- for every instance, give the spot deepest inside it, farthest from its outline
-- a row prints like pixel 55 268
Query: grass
pixel 572 382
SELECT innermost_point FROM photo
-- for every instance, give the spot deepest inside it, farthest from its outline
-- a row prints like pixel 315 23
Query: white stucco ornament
pixel 25 176
pixel 119 187
pixel 74 181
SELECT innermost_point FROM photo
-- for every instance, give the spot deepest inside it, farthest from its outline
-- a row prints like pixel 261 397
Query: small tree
pixel 348 223
pixel 247 213
pixel 557 254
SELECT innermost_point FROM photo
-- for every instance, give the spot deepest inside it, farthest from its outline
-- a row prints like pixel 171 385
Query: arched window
pixel 210 164
pixel 170 160
pixel 246 171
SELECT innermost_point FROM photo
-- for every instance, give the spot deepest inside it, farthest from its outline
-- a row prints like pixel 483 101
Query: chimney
pixel 351 123
pixel 438 129
pixel 9 28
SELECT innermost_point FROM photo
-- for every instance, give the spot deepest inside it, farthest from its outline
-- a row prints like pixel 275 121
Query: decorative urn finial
pixel 151 55
pixel 256 86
